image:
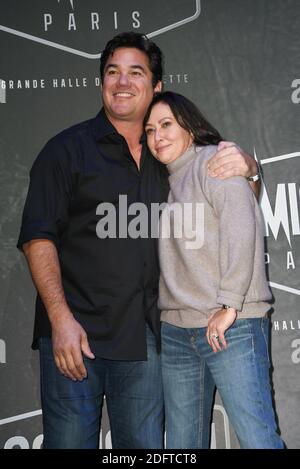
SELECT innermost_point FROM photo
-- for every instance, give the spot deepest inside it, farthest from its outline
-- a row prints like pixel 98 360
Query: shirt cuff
pixel 37 230
pixel 231 299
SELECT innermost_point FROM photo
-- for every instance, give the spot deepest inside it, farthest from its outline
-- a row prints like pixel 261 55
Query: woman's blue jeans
pixel 72 410
pixel 241 373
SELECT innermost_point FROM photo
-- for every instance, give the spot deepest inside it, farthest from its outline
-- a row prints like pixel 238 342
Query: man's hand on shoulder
pixel 230 160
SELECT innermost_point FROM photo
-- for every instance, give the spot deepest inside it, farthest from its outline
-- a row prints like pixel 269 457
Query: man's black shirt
pixel 111 284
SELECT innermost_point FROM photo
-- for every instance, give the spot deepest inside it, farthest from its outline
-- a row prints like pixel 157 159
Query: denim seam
pixel 265 338
pixel 194 333
pixel 255 367
pixel 201 414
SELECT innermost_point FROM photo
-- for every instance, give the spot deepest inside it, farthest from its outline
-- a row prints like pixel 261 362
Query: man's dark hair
pixel 188 117
pixel 137 41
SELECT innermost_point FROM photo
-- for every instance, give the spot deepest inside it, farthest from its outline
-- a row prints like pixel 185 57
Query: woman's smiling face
pixel 166 139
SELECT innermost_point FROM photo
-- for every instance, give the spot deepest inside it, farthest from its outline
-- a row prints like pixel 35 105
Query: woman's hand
pixel 218 324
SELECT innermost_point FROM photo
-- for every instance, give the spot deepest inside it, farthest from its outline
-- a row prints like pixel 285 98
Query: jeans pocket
pixel 59 386
pixel 68 389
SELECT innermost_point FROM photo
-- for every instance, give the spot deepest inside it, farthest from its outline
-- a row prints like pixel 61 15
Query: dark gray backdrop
pixel 239 60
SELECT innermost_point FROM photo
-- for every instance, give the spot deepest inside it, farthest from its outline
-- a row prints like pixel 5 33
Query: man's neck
pixel 132 132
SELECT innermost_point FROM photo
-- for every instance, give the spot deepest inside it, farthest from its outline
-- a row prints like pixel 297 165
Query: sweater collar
pixel 189 155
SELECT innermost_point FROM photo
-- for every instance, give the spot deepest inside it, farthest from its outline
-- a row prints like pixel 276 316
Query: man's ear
pixel 158 87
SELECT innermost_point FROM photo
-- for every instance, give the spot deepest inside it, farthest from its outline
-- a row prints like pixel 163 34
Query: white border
pixel 97 56
pixel 284 288
pixel 280 158
pixel 287 156
pixel 15 418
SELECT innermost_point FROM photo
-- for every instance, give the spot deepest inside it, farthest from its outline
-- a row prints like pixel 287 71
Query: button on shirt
pixel 110 283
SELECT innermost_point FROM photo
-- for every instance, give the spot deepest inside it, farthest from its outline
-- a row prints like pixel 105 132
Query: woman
pixel 213 290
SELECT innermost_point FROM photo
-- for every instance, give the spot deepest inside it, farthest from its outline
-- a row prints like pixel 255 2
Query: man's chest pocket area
pixel 97 187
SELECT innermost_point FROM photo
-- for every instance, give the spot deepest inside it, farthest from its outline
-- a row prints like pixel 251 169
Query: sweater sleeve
pixel 234 206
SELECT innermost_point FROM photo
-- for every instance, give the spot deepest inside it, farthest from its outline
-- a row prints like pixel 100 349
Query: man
pixel 97 325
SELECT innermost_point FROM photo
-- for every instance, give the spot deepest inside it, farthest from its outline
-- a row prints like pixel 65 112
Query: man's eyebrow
pixel 110 65
pixel 140 67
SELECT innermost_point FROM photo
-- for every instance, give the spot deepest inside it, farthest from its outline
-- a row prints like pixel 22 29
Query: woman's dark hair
pixel 137 41
pixel 188 116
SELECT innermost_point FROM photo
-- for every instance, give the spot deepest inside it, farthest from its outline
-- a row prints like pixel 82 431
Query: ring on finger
pixel 214 336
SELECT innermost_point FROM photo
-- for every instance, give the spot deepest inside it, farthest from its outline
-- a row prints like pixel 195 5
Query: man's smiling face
pixel 127 85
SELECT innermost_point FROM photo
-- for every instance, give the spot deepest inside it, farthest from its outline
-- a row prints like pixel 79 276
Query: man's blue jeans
pixel 241 373
pixel 72 410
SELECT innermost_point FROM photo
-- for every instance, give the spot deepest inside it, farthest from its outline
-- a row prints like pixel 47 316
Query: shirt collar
pixel 102 127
